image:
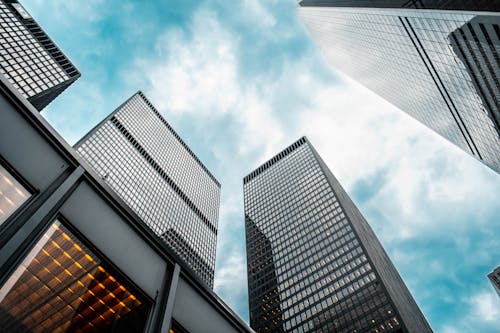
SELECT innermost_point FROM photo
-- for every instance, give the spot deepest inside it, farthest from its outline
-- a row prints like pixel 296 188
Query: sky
pixel 240 80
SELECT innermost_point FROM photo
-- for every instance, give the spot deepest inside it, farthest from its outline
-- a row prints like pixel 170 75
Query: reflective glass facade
pixel 12 194
pixel 486 5
pixel 314 264
pixel 62 286
pixel 441 67
pixel 29 59
pixel 495 279
pixel 148 165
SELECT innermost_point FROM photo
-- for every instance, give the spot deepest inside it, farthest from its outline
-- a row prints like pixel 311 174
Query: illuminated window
pixel 12 194
pixel 62 286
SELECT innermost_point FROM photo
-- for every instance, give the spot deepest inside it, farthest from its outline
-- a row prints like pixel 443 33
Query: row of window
pixel 185 169
pixel 150 196
pixel 27 65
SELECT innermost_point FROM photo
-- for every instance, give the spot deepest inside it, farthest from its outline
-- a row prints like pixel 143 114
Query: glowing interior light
pixel 7 180
pixel 20 193
pixel 86 295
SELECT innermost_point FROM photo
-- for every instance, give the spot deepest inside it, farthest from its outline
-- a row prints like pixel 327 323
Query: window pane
pixel 61 286
pixel 12 194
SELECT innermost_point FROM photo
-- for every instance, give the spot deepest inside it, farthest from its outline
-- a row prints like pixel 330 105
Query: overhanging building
pixel 73 256
pixel 29 59
pixel 436 60
pixel 138 154
pixel 314 263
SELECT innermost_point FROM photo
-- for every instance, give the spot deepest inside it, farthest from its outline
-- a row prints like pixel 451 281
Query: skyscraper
pixel 495 279
pixel 440 66
pixel 314 263
pixel 145 161
pixel 29 59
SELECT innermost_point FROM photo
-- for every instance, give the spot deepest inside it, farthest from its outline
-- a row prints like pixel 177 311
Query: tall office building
pixel 495 279
pixel 314 263
pixel 145 161
pixel 437 60
pixel 29 59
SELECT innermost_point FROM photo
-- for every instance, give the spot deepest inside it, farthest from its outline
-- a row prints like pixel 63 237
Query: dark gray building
pixel 314 263
pixel 138 154
pixel 482 5
pixel 73 256
pixel 29 59
pixel 495 279
pixel 435 60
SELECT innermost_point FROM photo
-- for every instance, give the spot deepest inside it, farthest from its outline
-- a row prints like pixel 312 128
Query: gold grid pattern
pixel 61 286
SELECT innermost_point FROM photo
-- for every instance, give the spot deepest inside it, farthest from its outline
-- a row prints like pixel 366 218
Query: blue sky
pixel 240 80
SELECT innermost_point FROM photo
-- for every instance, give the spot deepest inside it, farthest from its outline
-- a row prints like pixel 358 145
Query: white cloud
pixel 233 270
pixel 65 12
pixel 341 120
pixel 449 329
pixel 195 74
pixel 485 306
pixel 259 15
pixel 231 281
pixel 482 314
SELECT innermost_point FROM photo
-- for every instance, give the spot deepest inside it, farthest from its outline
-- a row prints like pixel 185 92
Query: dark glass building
pixel 483 5
pixel 436 60
pixel 29 59
pixel 314 263
pixel 495 279
pixel 145 161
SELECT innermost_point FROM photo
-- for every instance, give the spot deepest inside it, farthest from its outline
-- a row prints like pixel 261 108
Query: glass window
pixel 12 194
pixel 62 286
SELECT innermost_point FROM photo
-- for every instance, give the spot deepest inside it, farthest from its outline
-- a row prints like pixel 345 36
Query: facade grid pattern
pixel 152 173
pixel 307 270
pixel 407 57
pixel 28 63
pixel 171 155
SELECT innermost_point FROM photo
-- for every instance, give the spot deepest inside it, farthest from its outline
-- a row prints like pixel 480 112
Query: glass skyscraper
pixel 495 279
pixel 145 161
pixel 436 60
pixel 29 59
pixel 314 263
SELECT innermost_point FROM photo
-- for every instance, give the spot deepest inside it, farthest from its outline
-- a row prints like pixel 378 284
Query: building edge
pixel 45 97
pixel 414 320
pixel 169 127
